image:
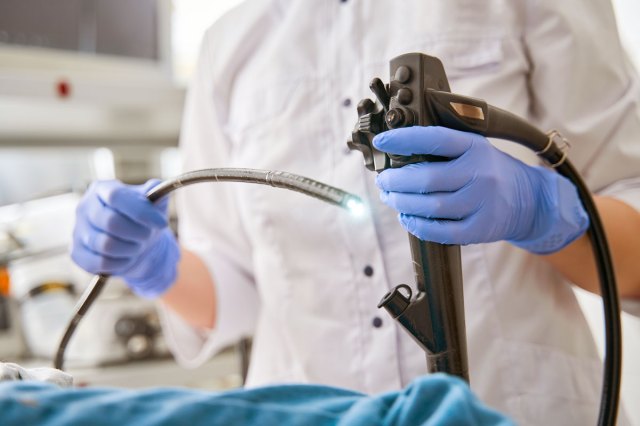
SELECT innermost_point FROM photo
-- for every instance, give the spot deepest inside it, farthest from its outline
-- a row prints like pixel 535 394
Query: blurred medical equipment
pixel 11 344
pixel 87 72
pixel 82 79
pixel 419 94
pixel 84 94
pixel 43 290
pixel 28 238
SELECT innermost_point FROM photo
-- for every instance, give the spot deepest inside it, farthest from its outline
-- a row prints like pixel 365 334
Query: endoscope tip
pixel 355 206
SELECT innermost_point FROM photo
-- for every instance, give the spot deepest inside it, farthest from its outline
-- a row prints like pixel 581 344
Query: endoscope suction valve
pixel 413 315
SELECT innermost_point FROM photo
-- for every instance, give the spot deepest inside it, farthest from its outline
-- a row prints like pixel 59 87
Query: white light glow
pixel 355 207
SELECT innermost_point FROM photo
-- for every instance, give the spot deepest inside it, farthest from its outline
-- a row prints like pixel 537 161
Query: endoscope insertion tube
pixel 276 179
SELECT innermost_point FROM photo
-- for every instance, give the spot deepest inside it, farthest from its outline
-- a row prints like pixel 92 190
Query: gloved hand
pixel 119 232
pixel 481 195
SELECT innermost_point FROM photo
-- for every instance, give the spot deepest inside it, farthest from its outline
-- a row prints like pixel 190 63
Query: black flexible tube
pixel 506 125
pixel 277 179
pixel 613 330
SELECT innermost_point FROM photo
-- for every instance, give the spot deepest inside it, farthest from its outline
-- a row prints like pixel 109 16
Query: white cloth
pixel 270 93
pixel 10 371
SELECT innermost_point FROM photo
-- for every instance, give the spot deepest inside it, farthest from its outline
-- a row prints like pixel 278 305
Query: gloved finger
pixel 130 202
pixel 441 231
pixel 96 263
pixel 423 178
pixel 439 205
pixel 432 140
pixel 110 221
pixel 148 185
pixel 105 244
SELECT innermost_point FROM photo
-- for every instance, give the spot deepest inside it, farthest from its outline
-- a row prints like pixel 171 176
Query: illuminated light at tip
pixel 356 207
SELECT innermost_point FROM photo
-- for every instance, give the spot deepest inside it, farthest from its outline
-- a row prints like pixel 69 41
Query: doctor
pixel 276 89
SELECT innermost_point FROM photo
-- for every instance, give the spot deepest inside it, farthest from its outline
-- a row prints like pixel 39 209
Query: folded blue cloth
pixel 430 400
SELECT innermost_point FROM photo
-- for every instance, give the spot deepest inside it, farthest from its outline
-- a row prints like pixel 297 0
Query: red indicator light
pixel 63 89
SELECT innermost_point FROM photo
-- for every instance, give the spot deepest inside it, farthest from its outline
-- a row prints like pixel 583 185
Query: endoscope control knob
pixel 370 123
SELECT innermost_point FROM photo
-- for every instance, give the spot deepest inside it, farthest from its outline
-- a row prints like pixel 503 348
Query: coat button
pixel 368 271
pixel 377 322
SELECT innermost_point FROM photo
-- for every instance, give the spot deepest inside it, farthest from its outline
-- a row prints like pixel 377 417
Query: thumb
pixel 431 140
pixel 160 204
pixel 148 186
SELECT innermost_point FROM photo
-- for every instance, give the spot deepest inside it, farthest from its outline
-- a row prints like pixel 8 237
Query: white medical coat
pixel 276 88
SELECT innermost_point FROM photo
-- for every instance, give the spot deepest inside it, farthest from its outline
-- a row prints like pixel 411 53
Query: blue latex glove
pixel 119 232
pixel 481 195
pixel 432 400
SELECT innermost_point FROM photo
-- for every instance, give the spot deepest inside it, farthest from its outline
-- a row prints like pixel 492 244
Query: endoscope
pixel 276 179
pixel 419 95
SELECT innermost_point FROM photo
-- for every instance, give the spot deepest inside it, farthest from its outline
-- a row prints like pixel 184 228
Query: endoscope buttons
pixel 403 74
pixel 405 96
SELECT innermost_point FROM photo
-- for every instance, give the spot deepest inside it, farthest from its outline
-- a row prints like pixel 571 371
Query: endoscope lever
pixel 378 89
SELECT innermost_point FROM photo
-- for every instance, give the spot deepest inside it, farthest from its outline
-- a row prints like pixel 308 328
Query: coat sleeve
pixel 583 84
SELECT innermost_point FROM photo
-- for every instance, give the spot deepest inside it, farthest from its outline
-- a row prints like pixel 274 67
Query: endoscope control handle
pixel 435 319
pixel 436 315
